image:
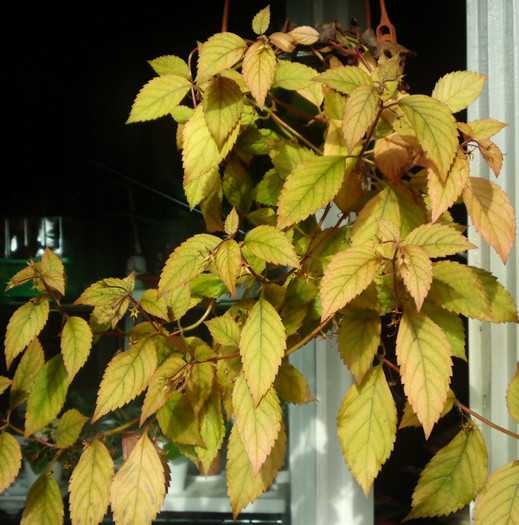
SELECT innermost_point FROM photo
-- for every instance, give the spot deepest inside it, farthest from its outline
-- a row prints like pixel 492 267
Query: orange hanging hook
pixel 385 30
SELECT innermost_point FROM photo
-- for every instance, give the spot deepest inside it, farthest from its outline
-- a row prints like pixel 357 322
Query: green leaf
pixel 459 89
pixel 262 347
pixel 10 459
pixel 310 186
pixel 76 341
pixel 416 270
pixel 344 78
pixel 438 240
pixel 220 52
pixel 258 425
pixel 453 477
pixel 153 304
pixel 348 274
pixel 44 503
pixel 498 502
pixel 159 97
pixel 138 488
pixel 271 245
pixel 435 129
pixel 107 292
pixel 179 300
pixel 163 381
pixel 47 396
pixel 125 377
pixel 90 484
pixel 491 211
pixel 170 65
pixel 424 356
pixel 243 485
pixel 293 75
pixel 24 325
pixel 291 385
pixel 360 111
pixel 69 427
pixel 261 21
pixel 212 431
pixel 27 370
pixel 187 261
pixel 358 340
pixel 5 383
pixel 512 396
pixel 223 102
pixel 367 426
pixel 259 70
pixel 224 330
pixel 178 421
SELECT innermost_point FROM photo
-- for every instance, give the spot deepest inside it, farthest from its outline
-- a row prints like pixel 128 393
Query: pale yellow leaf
pixel 344 78
pixel 271 245
pixel 416 270
pixel 220 52
pixel 304 35
pixel 90 485
pixel 459 89
pixel 10 459
pixel 170 65
pixel 261 21
pixel 512 396
pixel 76 342
pixel 259 70
pixel 153 304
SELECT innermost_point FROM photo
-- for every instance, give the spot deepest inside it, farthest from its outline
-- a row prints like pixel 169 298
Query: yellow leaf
pixel 5 383
pixel 367 426
pixel 243 485
pixel 344 78
pixel 459 89
pixel 47 396
pixel 409 418
pixel 24 325
pixel 259 70
pixel 179 300
pixel 262 347
pixel 484 128
pixel 360 111
pixel 512 396
pixel 261 21
pixel 178 420
pixel 291 385
pixel 228 264
pixel 10 459
pixel 424 356
pixel 164 380
pixel 490 209
pixel 453 477
pixel 138 488
pixel 416 270
pixel 348 274
pixel 310 186
pixel 358 340
pixel 107 292
pixel 212 431
pixel 498 502
pixel 159 97
pixel 304 35
pixel 224 330
pixel 27 370
pixel 391 157
pixel 125 377
pixel 258 425
pixel 90 485
pixel 435 129
pixel 283 41
pixel 271 245
pixel 220 52
pixel 492 155
pixel 69 427
pixel 170 65
pixel 293 75
pixel 223 102
pixel 44 503
pixel 153 304
pixel 52 271
pixel 76 341
pixel 187 261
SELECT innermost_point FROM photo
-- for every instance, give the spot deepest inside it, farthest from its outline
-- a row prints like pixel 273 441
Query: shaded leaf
pixel 10 459
pixel 416 270
pixel 44 503
pixel 367 426
pixel 512 396
pixel 291 385
pixel 453 477
pixel 212 431
pixel 178 421
pixel 90 485
pixel 69 427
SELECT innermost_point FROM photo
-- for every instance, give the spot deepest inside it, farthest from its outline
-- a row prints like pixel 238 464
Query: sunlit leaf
pixel 435 128
pixel 309 187
pixel 47 395
pixel 24 325
pixel 125 377
pixel 453 477
pixel 90 484
pixel 220 52
pixel 107 292
pixel 259 70
pixel 243 485
pixel 409 418
pixel 76 341
pixel 154 305
pixel 492 213
pixel 10 459
pixel 261 21
pixel 367 426
pixel 498 502
pixel 159 97
pixel 258 426
pixel 44 503
pixel 459 89
pixel 271 245
pixel 512 396
pixel 293 75
pixel 138 488
pixel 69 427
pixel 344 78
pixel 346 276
pixel 262 346
pixel 416 270
pixel 424 356
pixel 170 65
pixel 27 370
pixel 224 330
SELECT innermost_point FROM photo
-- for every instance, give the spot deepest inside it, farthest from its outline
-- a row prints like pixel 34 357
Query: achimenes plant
pixel 327 192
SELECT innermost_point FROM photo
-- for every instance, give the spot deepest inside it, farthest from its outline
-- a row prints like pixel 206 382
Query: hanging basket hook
pixel 385 30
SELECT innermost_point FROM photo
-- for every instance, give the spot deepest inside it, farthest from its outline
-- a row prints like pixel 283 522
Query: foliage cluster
pixel 327 191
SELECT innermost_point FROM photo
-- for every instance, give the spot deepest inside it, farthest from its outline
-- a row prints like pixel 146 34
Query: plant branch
pixel 308 337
